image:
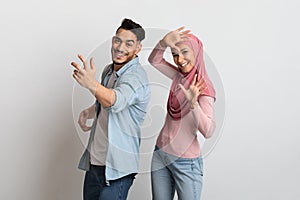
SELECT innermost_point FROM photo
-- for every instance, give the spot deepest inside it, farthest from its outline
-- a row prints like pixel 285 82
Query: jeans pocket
pixel 200 161
pixel 198 167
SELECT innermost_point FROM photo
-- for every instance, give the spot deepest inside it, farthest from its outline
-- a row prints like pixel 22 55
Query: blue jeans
pixel 170 173
pixel 95 187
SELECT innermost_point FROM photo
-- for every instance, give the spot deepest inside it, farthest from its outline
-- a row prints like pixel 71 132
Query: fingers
pixel 202 90
pixel 194 79
pixel 200 82
pixel 82 60
pixel 75 77
pixel 76 74
pixel 77 66
pixel 92 63
pixel 200 85
pixel 184 39
pixel 82 121
pixel 180 29
pixel 183 89
pixel 85 127
pixel 85 65
pixel 185 34
pixel 81 71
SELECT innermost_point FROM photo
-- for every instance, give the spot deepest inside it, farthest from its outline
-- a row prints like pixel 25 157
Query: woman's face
pixel 185 59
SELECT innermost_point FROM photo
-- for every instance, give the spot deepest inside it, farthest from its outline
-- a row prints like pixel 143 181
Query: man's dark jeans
pixel 95 187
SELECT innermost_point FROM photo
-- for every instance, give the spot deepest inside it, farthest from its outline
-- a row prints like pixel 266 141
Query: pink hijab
pixel 178 105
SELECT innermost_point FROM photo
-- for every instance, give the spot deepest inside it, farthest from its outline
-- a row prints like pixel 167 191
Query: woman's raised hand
pixel 173 37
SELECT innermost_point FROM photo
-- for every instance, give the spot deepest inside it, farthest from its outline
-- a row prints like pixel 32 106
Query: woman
pixel 177 163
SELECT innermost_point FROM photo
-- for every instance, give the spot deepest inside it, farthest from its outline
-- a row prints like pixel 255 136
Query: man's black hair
pixel 135 28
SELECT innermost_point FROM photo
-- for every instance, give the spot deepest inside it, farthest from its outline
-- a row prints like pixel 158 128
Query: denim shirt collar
pixel 125 67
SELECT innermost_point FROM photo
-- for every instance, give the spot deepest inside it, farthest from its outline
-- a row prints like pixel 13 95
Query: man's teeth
pixel 120 54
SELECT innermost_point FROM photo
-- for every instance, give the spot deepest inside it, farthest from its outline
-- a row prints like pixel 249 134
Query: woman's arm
pixel 157 60
pixel 203 114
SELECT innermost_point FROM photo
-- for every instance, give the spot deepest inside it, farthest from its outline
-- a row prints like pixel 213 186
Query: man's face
pixel 125 47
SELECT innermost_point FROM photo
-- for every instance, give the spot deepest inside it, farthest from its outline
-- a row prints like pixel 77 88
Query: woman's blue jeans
pixel 170 173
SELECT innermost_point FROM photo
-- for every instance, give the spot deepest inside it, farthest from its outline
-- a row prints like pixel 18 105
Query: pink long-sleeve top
pixel 179 137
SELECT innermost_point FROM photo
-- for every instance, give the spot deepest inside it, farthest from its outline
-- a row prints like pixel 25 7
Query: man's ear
pixel 138 48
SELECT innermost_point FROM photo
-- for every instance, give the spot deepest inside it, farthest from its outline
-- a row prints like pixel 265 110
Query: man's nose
pixel 121 47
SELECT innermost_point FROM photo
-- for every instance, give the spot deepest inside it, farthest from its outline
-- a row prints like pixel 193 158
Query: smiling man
pixel 111 157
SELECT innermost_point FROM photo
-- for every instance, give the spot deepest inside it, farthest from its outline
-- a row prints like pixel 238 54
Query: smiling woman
pixel 184 59
pixel 177 161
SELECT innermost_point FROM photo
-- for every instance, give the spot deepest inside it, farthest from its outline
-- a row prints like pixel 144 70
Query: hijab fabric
pixel 178 106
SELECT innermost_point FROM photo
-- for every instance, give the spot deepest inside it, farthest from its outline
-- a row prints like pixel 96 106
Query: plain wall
pixel 254 46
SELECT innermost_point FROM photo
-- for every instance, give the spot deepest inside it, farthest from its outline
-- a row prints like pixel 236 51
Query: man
pixel 111 157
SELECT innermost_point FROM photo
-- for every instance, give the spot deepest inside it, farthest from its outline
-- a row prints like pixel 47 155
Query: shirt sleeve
pixel 157 60
pixel 204 116
pixel 129 91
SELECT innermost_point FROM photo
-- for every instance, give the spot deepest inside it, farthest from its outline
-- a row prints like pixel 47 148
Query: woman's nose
pixel 180 58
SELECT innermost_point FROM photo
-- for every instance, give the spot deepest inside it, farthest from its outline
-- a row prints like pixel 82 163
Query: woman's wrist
pixel 193 104
pixel 162 43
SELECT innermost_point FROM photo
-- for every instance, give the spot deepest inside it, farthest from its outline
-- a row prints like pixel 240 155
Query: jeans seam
pixel 120 189
pixel 194 185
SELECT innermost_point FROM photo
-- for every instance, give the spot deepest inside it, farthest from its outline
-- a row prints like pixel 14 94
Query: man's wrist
pixel 94 87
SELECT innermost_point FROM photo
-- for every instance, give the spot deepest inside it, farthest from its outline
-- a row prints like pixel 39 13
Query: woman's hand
pixel 195 89
pixel 173 37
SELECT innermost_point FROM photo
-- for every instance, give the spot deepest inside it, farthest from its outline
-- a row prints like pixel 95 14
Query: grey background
pixel 253 44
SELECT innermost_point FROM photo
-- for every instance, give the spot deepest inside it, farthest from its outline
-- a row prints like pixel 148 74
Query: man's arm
pixel 129 91
pixel 86 78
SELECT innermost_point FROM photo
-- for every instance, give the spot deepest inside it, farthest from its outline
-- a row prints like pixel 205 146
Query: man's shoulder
pixel 136 77
pixel 137 71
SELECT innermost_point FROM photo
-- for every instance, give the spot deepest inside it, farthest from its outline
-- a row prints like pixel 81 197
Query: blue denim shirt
pixel 125 118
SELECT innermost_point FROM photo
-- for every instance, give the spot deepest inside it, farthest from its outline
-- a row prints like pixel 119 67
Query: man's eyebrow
pixel 126 40
pixel 130 41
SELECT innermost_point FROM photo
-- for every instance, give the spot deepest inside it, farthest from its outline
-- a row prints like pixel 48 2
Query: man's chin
pixel 119 62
